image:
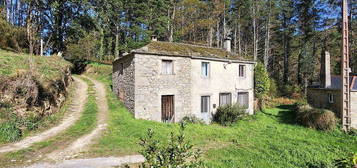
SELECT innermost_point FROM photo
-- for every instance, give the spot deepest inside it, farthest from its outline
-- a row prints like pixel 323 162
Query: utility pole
pixel 41 50
pixel 345 71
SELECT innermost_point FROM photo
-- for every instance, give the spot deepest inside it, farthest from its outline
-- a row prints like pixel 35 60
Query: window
pixel 243 99
pixel 205 69
pixel 205 104
pixel 241 70
pixel 121 69
pixel 167 67
pixel 331 98
pixel 225 98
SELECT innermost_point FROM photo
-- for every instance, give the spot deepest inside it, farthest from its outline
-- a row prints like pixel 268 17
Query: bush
pixel 192 119
pixel 261 82
pixel 178 153
pixel 9 132
pixel 320 119
pixel 292 91
pixel 229 114
pixel 273 89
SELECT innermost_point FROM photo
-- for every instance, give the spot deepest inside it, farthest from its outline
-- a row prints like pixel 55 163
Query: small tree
pixel 261 83
pixel 178 153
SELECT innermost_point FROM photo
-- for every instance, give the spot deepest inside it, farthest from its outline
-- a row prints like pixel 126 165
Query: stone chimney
pixel 153 38
pixel 227 44
pixel 325 71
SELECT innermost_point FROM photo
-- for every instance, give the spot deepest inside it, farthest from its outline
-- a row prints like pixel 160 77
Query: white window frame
pixel 221 101
pixel 331 98
pixel 208 69
pixel 247 93
pixel 244 70
pixel 164 70
pixel 208 104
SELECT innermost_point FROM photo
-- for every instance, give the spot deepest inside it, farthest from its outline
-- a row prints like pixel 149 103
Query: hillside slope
pixel 31 88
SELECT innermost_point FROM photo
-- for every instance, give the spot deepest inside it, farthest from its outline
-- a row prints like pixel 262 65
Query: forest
pixel 287 36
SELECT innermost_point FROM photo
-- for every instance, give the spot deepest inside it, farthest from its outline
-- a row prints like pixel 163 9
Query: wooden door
pixel 167 108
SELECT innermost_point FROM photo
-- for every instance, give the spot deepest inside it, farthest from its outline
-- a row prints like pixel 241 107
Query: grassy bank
pixel 28 86
pixel 84 125
pixel 268 139
pixel 48 68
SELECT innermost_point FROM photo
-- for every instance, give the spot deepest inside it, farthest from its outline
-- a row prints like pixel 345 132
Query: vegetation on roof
pixel 188 49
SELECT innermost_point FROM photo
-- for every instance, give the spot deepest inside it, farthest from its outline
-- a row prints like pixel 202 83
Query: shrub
pixel 273 89
pixel 192 119
pixel 228 114
pixel 349 161
pixel 9 132
pixel 261 82
pixel 178 153
pixel 293 91
pixel 321 119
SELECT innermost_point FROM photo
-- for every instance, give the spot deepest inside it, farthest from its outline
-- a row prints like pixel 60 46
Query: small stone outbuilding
pixel 327 93
pixel 165 81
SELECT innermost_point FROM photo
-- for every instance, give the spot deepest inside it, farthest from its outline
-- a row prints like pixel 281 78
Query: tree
pixel 261 81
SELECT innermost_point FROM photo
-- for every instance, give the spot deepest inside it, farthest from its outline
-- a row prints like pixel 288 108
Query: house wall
pixel 124 84
pixel 319 98
pixel 151 85
pixel 223 78
pixel 354 109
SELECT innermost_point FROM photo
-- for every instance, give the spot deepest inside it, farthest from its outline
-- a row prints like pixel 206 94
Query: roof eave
pixel 196 57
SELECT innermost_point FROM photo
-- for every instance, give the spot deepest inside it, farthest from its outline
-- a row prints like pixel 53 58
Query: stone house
pixel 165 81
pixel 327 93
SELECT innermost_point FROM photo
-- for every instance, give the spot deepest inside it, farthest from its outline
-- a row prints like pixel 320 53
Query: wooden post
pixel 345 70
pixel 41 50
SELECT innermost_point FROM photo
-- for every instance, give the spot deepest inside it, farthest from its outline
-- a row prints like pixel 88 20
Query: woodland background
pixel 287 36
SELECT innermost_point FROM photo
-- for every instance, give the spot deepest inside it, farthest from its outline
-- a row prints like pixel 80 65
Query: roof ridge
pixel 188 44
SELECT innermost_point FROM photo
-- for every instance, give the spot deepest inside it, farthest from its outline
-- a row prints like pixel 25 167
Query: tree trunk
pixel 210 36
pixel 217 35
pixel 171 36
pixel 116 42
pixel 267 40
pixel 286 48
pixel 101 48
pixel 255 34
pixel 29 30
pixel 239 35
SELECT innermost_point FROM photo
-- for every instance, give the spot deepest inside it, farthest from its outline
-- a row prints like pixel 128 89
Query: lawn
pixel 268 139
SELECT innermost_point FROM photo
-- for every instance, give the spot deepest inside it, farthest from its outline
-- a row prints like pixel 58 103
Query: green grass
pixel 47 68
pixel 84 125
pixel 268 139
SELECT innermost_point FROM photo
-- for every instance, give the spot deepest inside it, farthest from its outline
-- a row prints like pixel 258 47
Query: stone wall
pixel 151 84
pixel 319 98
pixel 354 109
pixel 124 83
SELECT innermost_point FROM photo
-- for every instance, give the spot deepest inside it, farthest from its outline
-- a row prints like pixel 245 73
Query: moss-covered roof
pixel 181 49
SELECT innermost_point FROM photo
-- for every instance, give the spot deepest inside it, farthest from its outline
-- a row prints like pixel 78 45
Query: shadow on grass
pixel 284 115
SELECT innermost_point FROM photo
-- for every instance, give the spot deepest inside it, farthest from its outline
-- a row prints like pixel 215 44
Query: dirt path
pixel 107 162
pixel 81 143
pixel 70 118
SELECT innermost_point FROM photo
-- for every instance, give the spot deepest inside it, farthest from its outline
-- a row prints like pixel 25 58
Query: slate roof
pixel 336 82
pixel 181 49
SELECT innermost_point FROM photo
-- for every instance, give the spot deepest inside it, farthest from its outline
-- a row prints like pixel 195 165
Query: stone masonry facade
pixel 151 84
pixel 124 81
pixel 319 98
